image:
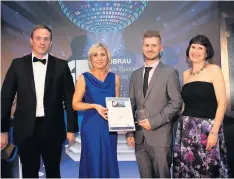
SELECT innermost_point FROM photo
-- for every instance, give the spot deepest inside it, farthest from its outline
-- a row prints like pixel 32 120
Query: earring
pixel 90 66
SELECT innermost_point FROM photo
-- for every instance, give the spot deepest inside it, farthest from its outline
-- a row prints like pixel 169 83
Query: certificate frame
pixel 120 116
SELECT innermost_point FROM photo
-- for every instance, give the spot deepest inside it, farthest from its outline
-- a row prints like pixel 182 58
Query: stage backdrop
pixel 76 26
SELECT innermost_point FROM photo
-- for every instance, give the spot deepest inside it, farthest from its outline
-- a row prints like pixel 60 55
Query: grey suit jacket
pixel 163 101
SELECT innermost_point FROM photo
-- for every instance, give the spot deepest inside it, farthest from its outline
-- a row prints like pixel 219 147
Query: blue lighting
pixel 102 16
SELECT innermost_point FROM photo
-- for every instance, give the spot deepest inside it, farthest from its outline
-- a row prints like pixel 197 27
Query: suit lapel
pixel 154 78
pixel 49 71
pixel 29 71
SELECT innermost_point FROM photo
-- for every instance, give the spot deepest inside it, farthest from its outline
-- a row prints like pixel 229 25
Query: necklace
pixel 197 72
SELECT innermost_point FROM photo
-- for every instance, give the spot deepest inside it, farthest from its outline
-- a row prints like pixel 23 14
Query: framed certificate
pixel 120 117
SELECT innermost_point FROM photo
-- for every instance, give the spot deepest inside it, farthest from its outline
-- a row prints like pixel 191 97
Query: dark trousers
pixel 153 162
pixel 36 146
pixel 6 169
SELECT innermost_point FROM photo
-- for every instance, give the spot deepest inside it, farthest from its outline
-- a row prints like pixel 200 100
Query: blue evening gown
pixel 98 145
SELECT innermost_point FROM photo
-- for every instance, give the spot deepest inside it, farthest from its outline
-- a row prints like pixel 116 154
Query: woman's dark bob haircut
pixel 202 40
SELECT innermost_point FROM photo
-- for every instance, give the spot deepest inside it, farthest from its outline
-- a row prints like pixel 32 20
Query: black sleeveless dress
pixel 191 159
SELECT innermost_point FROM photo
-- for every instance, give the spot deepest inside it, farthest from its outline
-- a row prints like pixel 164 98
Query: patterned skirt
pixel 191 159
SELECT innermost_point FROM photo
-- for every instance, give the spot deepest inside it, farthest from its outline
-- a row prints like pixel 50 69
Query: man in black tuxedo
pixel 44 88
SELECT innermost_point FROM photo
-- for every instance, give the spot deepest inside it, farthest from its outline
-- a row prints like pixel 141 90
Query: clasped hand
pixel 70 138
pixel 145 124
pixel 211 141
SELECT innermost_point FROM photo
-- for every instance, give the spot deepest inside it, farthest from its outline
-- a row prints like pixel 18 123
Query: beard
pixel 152 57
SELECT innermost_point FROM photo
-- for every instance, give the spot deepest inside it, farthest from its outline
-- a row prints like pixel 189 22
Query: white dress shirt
pixel 151 72
pixel 39 73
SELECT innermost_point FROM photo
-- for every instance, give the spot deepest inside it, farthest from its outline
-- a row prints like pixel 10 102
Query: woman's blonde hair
pixel 94 50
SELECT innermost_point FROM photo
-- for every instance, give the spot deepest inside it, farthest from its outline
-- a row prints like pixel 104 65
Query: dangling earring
pixel 107 67
pixel 90 65
pixel 206 59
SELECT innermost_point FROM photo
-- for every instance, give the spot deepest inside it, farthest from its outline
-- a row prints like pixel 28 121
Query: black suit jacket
pixel 59 89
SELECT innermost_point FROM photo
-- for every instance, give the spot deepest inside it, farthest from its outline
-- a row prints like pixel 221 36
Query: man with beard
pixel 155 97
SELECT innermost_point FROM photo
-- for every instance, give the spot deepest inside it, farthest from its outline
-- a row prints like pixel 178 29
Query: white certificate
pixel 120 117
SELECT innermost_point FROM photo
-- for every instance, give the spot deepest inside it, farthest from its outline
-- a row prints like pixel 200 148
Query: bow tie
pixel 43 61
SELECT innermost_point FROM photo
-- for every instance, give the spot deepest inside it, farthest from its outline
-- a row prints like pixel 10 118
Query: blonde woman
pixel 99 146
